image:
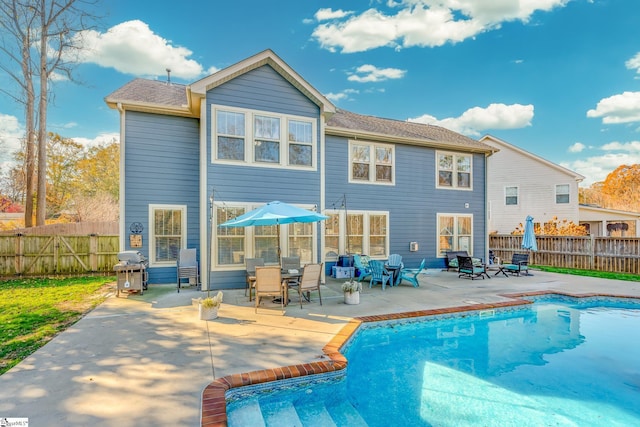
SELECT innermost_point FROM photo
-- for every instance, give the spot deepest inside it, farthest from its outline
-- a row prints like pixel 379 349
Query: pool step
pixel 247 415
pixel 315 415
pixel 280 414
pixel 344 414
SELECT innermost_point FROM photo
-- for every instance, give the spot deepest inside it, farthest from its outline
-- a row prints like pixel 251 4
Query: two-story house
pixel 194 156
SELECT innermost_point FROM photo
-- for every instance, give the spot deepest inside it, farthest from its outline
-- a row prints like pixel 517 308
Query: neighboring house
pixel 609 222
pixel 201 154
pixel 522 184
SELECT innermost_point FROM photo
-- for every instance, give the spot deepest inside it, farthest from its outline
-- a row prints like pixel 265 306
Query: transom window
pixel 357 233
pixel 455 233
pixel 511 195
pixel 168 228
pixel 562 193
pixel 454 170
pixel 261 138
pixel 371 163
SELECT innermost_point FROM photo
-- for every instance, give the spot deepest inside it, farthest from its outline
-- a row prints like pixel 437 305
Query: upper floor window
pixel 261 138
pixel 511 195
pixel 168 233
pixel 562 193
pixel 371 163
pixel 454 170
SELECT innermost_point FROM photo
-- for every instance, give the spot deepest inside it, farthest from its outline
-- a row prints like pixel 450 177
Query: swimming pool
pixel 560 361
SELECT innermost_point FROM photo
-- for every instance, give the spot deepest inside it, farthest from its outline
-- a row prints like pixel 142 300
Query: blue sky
pixel 558 78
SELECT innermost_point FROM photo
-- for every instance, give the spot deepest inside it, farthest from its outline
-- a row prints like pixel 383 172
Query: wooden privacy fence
pixel 53 255
pixel 614 254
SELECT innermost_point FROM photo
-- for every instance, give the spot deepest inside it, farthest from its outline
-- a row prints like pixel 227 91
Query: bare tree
pixel 39 38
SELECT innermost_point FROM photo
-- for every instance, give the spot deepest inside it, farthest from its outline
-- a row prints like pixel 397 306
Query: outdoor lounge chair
pixel 310 281
pixel 519 264
pixel 467 268
pixel 269 284
pixel 187 267
pixel 452 259
pixel 379 274
pixel 411 274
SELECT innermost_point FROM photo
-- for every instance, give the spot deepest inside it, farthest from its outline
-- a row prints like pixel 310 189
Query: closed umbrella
pixel 529 237
pixel 274 213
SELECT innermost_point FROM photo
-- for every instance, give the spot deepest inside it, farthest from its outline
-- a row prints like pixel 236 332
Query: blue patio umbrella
pixel 274 213
pixel 529 237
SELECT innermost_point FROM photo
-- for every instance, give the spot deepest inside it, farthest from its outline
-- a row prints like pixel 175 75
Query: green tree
pixel 63 157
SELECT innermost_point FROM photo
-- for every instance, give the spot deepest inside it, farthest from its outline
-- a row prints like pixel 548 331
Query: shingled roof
pixel 151 93
pixel 346 123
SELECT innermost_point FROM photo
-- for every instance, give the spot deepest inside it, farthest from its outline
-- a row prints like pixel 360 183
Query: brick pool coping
pixel 214 406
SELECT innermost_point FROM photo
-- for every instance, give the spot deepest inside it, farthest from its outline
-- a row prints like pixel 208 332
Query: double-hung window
pixel 511 195
pixel 230 247
pixel 168 233
pixel 562 193
pixel 455 233
pixel 269 139
pixel 358 232
pixel 454 170
pixel 371 163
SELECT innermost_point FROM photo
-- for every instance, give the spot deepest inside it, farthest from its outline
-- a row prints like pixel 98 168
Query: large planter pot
pixel 207 313
pixel 352 298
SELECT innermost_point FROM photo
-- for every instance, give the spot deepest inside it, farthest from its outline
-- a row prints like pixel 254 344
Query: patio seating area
pixel 153 349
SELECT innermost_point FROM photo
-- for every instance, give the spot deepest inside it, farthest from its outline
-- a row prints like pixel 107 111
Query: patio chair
pixel 519 264
pixel 290 263
pixel 411 274
pixel 361 262
pixel 269 284
pixel 310 281
pixel 467 268
pixel 379 274
pixel 251 264
pixel 394 266
pixel 187 267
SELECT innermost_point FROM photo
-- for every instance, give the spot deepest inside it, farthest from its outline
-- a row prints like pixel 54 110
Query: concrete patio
pixel 144 360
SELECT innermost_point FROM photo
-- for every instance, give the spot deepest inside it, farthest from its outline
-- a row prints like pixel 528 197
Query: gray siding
pixel 261 89
pixel 161 155
pixel 413 202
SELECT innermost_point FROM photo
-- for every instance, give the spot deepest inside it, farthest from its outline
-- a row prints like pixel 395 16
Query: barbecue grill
pixel 131 271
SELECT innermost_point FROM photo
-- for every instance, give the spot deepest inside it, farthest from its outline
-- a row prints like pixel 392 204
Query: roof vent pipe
pixel 168 76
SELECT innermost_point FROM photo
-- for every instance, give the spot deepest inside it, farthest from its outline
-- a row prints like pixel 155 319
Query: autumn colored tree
pixel 99 171
pixel 555 227
pixel 622 188
pixel 63 157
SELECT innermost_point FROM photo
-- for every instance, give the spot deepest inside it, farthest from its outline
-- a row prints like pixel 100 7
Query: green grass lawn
pixel 32 311
pixel 590 273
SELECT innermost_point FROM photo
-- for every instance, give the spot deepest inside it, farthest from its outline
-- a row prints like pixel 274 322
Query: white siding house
pixel 520 183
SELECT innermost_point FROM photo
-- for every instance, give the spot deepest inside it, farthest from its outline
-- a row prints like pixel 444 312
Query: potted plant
pixel 351 289
pixel 208 307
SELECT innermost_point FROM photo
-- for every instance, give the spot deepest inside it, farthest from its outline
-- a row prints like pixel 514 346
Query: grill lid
pixel 131 257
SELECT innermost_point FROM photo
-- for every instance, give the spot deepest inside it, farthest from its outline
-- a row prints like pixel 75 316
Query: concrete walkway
pixel 143 360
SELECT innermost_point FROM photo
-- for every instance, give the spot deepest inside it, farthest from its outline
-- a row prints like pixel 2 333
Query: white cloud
pixel 577 147
pixel 622 108
pixel 475 120
pixel 328 13
pixel 422 23
pixel 341 96
pixel 11 133
pixel 133 48
pixel 101 139
pixel 596 168
pixel 369 73
pixel 634 63
pixel 632 146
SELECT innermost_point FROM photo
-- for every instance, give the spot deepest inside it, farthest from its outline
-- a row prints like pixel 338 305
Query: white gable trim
pixel 490 140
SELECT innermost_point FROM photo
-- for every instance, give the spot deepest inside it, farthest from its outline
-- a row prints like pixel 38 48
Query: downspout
pixel 205 253
pixel 121 198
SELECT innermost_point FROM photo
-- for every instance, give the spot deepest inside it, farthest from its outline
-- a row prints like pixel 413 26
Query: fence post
pixel 93 252
pixel 18 260
pixel 592 258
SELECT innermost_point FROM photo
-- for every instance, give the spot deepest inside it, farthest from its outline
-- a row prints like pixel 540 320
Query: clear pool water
pixel 558 363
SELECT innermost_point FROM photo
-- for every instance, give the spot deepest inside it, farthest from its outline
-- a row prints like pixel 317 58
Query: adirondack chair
pixel 379 274
pixel 361 262
pixel 411 274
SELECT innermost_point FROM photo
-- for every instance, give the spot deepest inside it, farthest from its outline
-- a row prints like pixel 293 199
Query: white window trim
pixel 456 216
pixel 152 236
pixel 372 164
pixel 517 195
pixel 342 237
pixel 249 138
pixel 568 193
pixel 454 185
pixel 249 247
